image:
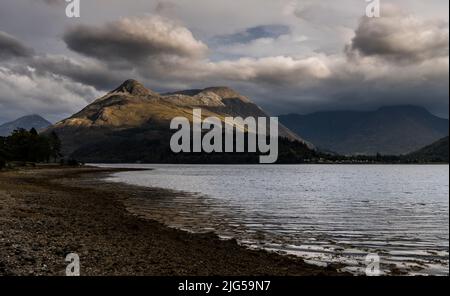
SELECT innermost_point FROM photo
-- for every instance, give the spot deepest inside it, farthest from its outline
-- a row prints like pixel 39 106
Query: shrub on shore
pixel 70 162
pixel 3 154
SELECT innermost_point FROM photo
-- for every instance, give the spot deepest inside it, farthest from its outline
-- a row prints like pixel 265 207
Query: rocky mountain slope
pixel 131 123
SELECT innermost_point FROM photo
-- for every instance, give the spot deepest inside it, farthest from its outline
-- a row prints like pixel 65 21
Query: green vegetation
pixel 436 152
pixel 29 146
pixel 414 158
pixel 133 145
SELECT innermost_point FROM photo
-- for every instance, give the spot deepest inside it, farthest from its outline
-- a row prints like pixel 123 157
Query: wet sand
pixel 49 212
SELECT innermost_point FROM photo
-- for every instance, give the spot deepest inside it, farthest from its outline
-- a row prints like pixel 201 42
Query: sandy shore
pixel 47 213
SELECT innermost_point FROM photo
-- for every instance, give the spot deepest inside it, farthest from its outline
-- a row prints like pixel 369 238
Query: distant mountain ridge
pixel 392 130
pixel 132 123
pixel 25 122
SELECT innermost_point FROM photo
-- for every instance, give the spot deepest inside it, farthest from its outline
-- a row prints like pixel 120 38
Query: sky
pixel 288 56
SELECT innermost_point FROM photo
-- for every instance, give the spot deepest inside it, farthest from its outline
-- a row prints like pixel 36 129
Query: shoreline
pixel 47 213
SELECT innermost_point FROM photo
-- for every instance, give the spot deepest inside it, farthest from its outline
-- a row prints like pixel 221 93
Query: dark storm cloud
pixel 134 40
pixel 401 38
pixel 86 72
pixel 10 47
pixel 356 87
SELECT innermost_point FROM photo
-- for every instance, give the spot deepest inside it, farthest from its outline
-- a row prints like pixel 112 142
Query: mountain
pixel 132 123
pixel 26 122
pixel 389 130
pixel 436 152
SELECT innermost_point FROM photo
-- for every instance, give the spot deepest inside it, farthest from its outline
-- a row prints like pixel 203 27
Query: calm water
pixel 324 213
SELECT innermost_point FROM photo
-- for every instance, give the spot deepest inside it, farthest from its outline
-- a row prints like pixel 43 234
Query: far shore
pixel 49 212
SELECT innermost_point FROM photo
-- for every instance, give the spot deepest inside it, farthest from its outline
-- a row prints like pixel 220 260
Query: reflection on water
pixel 324 213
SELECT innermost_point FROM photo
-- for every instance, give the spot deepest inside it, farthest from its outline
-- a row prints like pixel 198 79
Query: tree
pixel 55 145
pixel 33 132
pixel 19 144
pixel 29 146
pixel 3 153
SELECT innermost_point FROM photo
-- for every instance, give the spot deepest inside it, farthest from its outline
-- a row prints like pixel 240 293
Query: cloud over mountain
pixel 11 47
pixel 402 38
pixel 134 39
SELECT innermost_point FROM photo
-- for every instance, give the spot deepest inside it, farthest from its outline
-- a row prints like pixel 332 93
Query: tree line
pixel 29 146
